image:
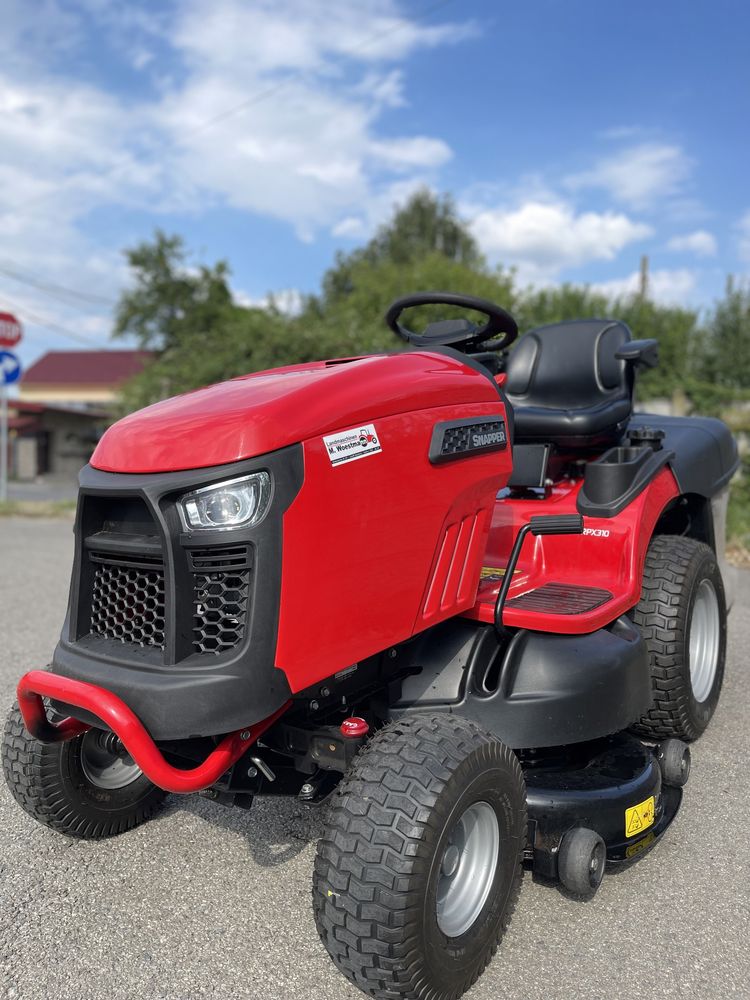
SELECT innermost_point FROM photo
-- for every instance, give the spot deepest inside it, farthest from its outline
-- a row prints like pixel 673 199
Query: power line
pixel 61 292
pixel 263 94
pixel 274 88
pixel 37 320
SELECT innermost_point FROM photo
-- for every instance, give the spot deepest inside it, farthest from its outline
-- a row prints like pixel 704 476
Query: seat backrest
pixel 570 365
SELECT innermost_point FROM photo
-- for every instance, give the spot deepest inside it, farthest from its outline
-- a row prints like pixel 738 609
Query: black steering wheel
pixel 456 332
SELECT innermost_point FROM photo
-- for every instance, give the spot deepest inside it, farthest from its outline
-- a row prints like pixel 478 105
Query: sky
pixel 574 136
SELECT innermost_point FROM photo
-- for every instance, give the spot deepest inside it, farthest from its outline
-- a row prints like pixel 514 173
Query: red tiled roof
pixel 106 368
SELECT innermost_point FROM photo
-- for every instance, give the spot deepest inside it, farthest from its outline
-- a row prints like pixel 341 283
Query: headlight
pixel 236 503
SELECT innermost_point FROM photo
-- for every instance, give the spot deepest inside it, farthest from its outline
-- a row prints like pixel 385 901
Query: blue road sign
pixel 10 368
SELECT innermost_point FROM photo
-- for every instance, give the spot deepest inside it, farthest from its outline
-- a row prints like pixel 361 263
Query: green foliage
pixel 187 316
pixel 728 342
pixel 738 515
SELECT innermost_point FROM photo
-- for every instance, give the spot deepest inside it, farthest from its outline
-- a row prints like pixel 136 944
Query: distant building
pixel 80 378
pixel 66 400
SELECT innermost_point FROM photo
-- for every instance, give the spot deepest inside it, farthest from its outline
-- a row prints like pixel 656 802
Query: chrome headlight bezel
pixel 253 491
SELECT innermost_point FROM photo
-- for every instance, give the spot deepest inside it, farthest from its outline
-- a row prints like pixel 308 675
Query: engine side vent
pixel 456 575
pixel 453 439
pixel 234 557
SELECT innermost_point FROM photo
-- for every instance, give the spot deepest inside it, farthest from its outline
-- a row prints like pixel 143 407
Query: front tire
pixel 87 787
pixel 682 616
pixel 418 872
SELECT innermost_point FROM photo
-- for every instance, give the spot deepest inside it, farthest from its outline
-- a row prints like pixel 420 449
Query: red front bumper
pixel 116 715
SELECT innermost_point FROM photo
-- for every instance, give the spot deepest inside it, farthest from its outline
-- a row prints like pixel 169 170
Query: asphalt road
pixel 212 902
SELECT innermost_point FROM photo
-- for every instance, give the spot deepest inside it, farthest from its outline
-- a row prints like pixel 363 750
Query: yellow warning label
pixel 639 818
pixel 494 572
pixel 640 845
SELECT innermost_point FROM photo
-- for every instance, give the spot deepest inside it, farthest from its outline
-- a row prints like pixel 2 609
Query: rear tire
pixel 419 869
pixel 682 616
pixel 71 787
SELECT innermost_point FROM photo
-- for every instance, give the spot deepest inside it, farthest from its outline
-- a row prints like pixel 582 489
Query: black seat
pixel 567 386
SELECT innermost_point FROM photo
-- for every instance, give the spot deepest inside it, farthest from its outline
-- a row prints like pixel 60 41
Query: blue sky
pixel 574 136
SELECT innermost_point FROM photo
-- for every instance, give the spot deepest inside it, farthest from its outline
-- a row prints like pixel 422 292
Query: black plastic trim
pixel 530 462
pixel 436 453
pixel 705 452
pixel 610 485
pixel 180 693
pixel 536 689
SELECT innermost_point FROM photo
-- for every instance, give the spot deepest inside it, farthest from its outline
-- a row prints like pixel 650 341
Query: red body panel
pixel 260 413
pixel 378 549
pixel 610 555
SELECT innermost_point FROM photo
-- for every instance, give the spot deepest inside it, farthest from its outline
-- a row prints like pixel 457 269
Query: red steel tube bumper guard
pixel 116 715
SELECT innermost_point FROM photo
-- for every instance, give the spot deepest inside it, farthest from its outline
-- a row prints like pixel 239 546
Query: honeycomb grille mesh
pixel 128 604
pixel 220 610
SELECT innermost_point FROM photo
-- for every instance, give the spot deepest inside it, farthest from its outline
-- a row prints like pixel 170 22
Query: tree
pixel 727 349
pixel 426 225
pixel 187 316
pixel 169 300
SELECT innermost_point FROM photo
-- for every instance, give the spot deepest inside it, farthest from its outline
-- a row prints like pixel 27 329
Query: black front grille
pixel 220 602
pixel 227 557
pixel 125 586
pixel 128 601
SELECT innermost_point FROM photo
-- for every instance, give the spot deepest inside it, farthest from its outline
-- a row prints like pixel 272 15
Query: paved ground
pixel 47 489
pixel 208 902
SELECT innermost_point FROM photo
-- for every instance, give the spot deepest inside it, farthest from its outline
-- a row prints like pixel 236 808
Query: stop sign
pixel 10 330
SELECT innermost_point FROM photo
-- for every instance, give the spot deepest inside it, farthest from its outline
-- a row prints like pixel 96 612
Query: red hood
pixel 260 413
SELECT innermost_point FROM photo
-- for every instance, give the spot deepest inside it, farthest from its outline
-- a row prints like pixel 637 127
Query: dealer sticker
pixel 348 446
pixel 639 818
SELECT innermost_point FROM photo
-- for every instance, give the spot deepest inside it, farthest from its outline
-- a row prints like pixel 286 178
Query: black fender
pixel 534 689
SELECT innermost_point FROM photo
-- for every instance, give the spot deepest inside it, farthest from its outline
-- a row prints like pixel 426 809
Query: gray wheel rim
pixel 467 869
pixel 105 761
pixel 705 634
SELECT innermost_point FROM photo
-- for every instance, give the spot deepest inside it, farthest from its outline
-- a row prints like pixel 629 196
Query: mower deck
pixel 612 786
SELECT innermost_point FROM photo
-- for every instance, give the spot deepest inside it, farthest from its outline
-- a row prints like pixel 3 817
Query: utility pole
pixel 3 442
pixel 643 279
pixel 10 370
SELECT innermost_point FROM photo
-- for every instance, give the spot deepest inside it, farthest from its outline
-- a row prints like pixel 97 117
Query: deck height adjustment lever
pixel 540 524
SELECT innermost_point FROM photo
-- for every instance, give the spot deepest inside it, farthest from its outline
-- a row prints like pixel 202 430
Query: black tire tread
pixel 662 618
pixel 31 772
pixel 375 824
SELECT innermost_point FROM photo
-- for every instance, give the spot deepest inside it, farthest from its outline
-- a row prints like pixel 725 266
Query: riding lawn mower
pixel 461 595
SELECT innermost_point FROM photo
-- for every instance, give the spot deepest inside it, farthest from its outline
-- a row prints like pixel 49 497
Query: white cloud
pixel 701 243
pixel 669 287
pixel 296 34
pixel 303 142
pixel 638 176
pixel 743 229
pixel 544 237
pixel 351 227
pixel 293 92
pixel 287 300
pixel 419 151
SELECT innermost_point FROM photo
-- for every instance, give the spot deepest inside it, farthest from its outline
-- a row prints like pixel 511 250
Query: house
pixel 66 400
pixel 80 378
